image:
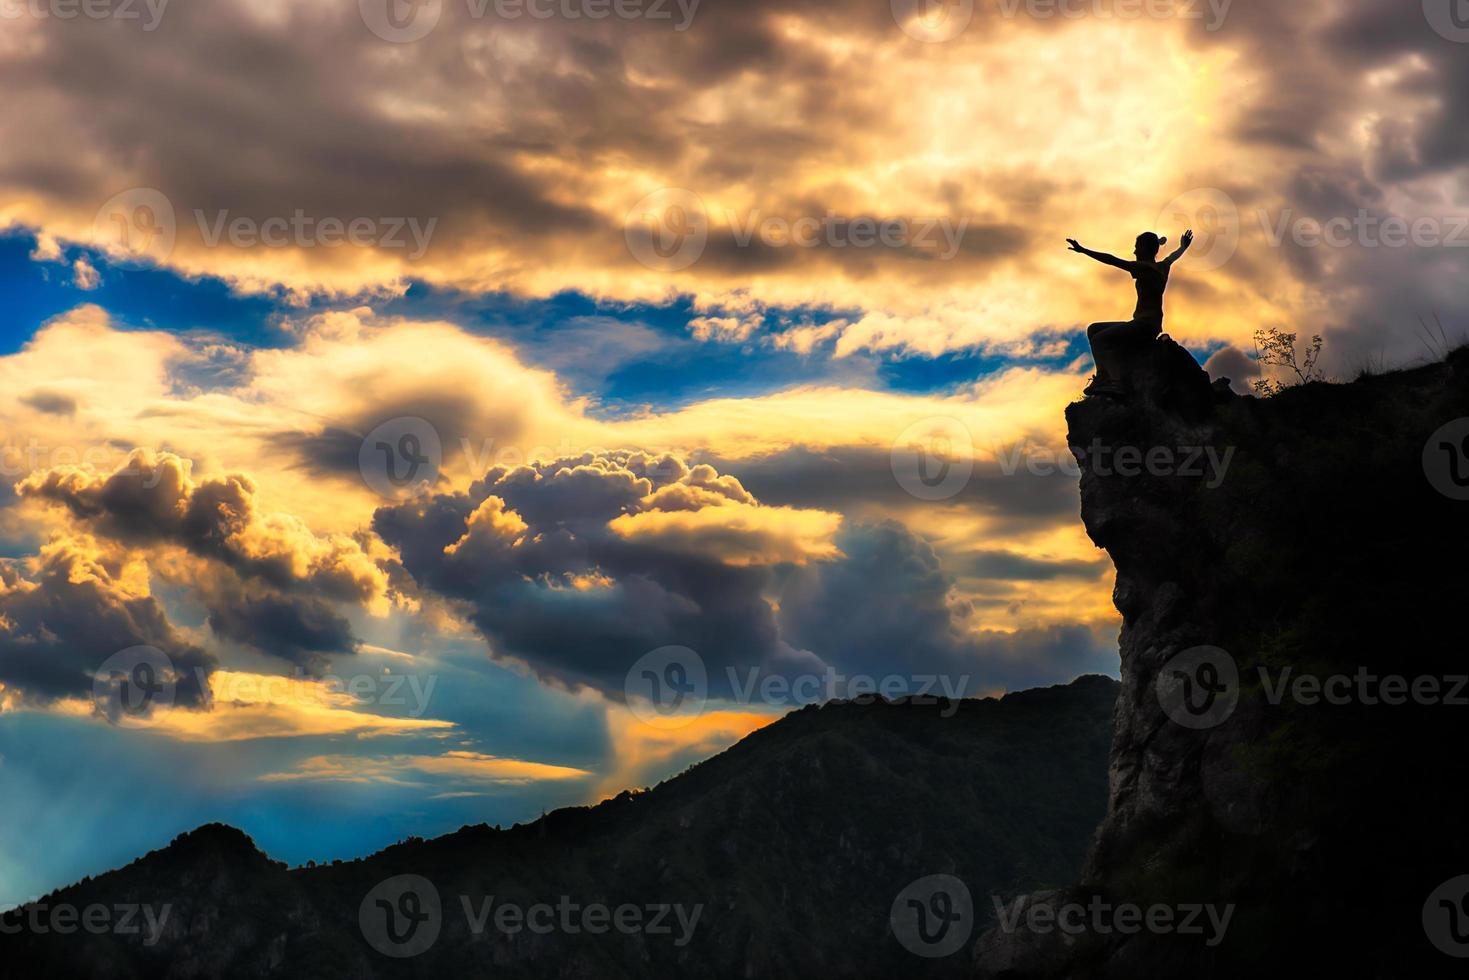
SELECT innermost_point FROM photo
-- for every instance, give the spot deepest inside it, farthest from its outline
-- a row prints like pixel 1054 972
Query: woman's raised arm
pixel 1188 240
pixel 1102 257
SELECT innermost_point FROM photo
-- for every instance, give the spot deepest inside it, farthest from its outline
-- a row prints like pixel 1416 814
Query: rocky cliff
pixel 1288 771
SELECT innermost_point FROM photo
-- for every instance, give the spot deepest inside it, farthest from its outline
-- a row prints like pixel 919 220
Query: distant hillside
pixel 793 844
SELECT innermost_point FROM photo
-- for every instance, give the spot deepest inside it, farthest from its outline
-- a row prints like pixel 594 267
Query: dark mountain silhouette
pixel 795 842
pixel 1333 549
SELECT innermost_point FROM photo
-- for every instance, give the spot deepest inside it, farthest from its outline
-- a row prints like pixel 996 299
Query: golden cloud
pixel 737 533
pixel 456 766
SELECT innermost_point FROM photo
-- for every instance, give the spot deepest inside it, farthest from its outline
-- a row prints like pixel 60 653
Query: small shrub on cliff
pixel 1278 349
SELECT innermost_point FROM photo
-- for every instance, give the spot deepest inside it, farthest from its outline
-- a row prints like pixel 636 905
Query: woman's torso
pixel 1152 281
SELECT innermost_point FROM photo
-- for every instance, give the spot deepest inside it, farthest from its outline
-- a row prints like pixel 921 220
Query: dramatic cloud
pixel 153 499
pixel 453 768
pixel 578 569
pixel 573 567
pixel 248 706
pixel 66 611
pixel 277 580
pixel 1237 366
pixel 263 489
pixel 519 153
pixel 644 752
pixel 890 607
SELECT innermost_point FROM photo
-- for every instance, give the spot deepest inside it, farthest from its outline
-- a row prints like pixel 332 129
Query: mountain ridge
pixel 793 843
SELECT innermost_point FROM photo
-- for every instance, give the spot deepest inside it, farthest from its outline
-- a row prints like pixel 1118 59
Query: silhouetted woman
pixel 1108 340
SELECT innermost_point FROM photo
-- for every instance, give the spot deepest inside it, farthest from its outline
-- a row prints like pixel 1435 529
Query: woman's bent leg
pixel 1104 339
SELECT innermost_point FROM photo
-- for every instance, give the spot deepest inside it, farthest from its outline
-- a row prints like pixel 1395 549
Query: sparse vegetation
pixel 1436 340
pixel 1276 348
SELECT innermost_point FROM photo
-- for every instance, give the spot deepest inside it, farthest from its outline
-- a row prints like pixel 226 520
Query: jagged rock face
pixel 1149 524
pixel 1312 543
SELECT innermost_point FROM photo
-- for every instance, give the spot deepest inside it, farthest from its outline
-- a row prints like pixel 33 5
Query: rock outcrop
pixel 1277 561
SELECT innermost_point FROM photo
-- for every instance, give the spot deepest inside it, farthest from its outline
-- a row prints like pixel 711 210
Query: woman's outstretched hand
pixel 1188 238
pixel 1076 246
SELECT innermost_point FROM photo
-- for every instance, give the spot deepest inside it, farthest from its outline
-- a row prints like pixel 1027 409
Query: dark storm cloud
pixel 511 548
pixel 293 89
pixel 62 620
pixel 301 629
pixel 504 130
pixel 1234 364
pixel 945 242
pixel 459 419
pixel 1370 33
pixel 540 104
pixel 1010 567
pixel 844 478
pixel 50 402
pixel 152 500
pixel 271 585
pixel 1374 74
pixel 887 607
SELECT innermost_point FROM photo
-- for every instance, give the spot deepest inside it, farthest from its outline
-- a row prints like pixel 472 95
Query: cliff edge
pixel 1287 773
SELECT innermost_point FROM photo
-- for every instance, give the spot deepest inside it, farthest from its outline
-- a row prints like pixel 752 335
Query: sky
pixel 399 393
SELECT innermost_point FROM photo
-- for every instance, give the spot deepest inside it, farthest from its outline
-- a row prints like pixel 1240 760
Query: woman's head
pixel 1148 245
